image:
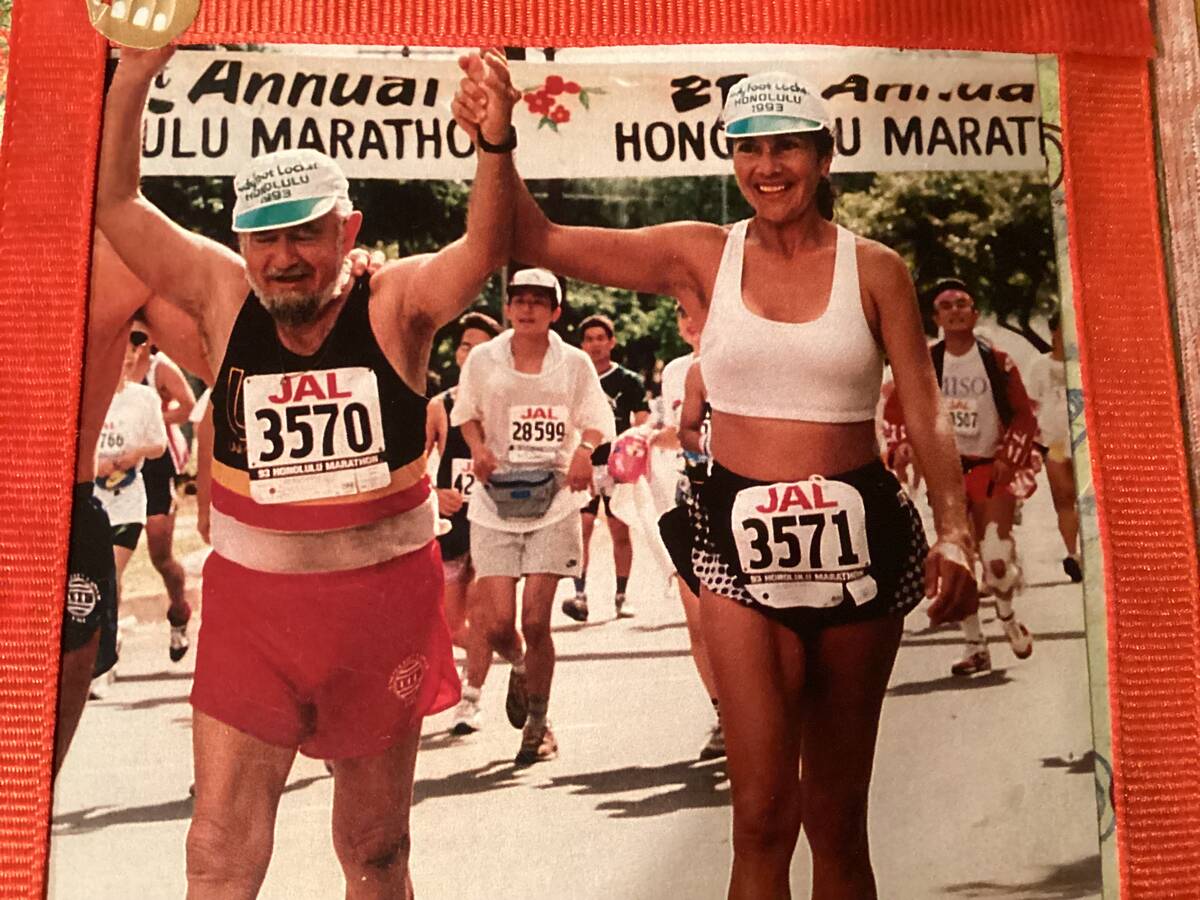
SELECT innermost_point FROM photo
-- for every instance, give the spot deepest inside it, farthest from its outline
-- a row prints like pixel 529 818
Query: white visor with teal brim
pixel 773 103
pixel 286 188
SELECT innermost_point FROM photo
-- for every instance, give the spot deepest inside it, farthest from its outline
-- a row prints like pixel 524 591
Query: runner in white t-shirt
pixel 133 430
pixel 1048 389
pixel 532 411
pixel 674 524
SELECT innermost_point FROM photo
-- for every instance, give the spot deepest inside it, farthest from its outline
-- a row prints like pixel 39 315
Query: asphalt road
pixel 984 788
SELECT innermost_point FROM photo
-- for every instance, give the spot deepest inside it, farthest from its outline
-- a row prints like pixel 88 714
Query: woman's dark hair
pixel 823 141
pixel 480 321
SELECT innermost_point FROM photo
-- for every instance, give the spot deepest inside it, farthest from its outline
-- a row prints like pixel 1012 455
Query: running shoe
pixel 1071 567
pixel 715 748
pixel 537 744
pixel 576 607
pixel 468 718
pixel 977 661
pixel 516 704
pixel 1018 636
pixel 624 609
pixel 179 642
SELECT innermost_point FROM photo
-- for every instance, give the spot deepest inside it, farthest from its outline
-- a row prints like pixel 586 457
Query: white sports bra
pixel 825 370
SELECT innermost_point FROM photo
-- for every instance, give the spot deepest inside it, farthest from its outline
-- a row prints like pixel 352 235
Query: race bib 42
pixel 311 435
pixel 800 543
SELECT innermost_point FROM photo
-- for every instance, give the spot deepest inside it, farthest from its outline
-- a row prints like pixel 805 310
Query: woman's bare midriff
pixel 787 450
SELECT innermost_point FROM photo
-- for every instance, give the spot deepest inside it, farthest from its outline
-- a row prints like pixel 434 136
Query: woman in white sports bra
pixel 808 552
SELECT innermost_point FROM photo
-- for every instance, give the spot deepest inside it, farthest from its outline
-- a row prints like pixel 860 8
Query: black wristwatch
pixel 506 146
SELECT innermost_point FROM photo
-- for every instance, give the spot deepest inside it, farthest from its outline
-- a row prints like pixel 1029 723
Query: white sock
pixel 972 630
pixel 470 693
pixel 1004 607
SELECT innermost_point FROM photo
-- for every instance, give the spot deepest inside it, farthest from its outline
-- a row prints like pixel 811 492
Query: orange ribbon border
pixel 1133 404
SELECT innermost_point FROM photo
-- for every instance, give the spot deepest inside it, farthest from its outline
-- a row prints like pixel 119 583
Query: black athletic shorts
pixel 593 507
pixel 159 476
pixel 788 529
pixel 457 540
pixel 127 535
pixel 675 529
pixel 90 604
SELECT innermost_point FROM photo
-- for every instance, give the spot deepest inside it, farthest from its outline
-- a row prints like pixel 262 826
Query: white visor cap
pixel 541 278
pixel 288 187
pixel 774 103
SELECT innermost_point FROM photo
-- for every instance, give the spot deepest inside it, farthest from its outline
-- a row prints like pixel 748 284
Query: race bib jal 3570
pixel 316 434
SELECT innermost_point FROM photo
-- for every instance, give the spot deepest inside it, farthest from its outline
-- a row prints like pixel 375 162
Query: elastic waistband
pixel 871 475
pixel 974 462
pixel 309 552
pixel 82 492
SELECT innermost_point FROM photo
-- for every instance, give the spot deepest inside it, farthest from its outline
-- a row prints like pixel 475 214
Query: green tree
pixel 991 229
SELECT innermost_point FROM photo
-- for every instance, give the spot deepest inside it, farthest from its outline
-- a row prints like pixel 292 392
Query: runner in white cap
pixel 532 411
pixel 323 627
pixel 810 555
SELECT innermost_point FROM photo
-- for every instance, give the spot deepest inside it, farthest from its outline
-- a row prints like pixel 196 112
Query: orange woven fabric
pixel 1140 471
pixel 47 174
pixel 1120 27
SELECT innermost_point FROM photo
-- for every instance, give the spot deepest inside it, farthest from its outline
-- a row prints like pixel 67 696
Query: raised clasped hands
pixel 485 97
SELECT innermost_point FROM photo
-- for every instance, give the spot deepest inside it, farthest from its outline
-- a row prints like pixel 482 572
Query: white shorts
pixel 555 549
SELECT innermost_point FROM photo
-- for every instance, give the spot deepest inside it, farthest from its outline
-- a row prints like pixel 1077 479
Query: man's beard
pixel 295 310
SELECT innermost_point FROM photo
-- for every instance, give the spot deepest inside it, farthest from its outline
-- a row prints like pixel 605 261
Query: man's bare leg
pixel 239 780
pixel 74 681
pixel 372 796
pixel 537 601
pixel 160 541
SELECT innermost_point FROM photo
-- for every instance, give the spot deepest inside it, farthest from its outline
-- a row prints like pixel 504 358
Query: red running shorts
pixel 978 482
pixel 337 664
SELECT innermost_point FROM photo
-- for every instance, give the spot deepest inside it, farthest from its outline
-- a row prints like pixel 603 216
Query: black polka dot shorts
pixel 894 534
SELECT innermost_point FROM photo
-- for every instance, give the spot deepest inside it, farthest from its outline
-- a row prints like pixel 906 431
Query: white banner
pixel 389 116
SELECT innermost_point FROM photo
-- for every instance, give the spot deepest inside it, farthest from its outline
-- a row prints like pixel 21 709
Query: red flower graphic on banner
pixel 548 100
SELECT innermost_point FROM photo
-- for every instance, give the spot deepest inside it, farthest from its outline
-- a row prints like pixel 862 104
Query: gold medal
pixel 144 24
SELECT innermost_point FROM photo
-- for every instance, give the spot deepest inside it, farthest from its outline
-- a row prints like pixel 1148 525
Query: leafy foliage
pixel 991 229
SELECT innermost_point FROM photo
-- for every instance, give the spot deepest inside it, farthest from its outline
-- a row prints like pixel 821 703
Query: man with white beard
pixel 323 629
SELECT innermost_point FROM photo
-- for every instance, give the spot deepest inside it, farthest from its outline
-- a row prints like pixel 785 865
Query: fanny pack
pixel 526 494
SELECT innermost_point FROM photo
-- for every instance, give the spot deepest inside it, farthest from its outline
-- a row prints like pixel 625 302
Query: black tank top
pixel 255 349
pixel 456 444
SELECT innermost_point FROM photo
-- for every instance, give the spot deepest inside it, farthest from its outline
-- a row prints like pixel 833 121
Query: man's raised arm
pixel 185 268
pixel 441 285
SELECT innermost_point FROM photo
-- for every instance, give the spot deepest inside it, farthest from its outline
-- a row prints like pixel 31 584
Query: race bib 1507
pixel 964 416
pixel 314 434
pixel 801 542
pixel 536 434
